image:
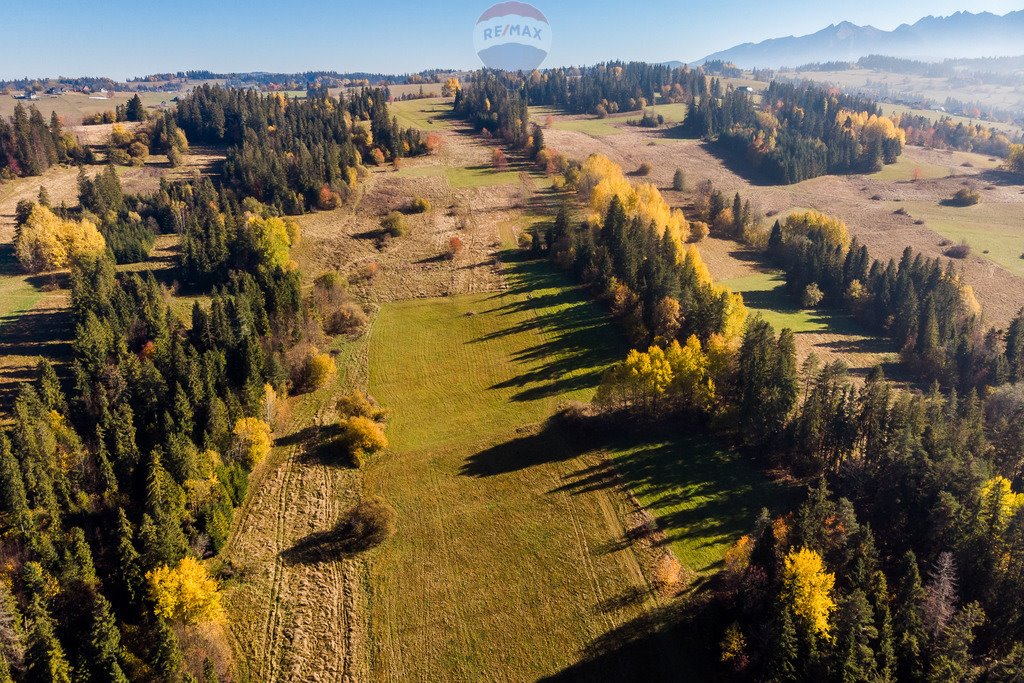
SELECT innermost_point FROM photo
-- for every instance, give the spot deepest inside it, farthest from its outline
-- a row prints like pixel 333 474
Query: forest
pixel 800 132
pixel 114 483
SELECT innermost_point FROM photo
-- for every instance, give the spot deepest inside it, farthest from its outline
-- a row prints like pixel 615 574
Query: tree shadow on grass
pixel 675 642
pixel 578 339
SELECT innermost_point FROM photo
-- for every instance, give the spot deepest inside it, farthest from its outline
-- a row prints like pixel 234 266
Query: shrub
pixel 138 153
pixel 963 197
pixel 327 199
pixel 376 156
pixel 499 159
pixel 812 295
pixel 357 404
pixel 366 525
pixel 455 247
pixel 313 370
pixel 394 224
pixel 250 442
pixel 362 436
pixel 119 157
pixel 699 230
pixel 349 318
pixel 419 205
pixel 959 251
pixel 644 169
pixel 679 181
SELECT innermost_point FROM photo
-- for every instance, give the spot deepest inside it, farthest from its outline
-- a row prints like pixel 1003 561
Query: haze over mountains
pixel 962 34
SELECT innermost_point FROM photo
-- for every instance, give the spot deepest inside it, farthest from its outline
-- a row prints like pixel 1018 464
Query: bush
pixel 959 251
pixel 963 197
pixel 394 224
pixel 698 231
pixel 419 205
pixel 455 247
pixel 349 318
pixel 369 523
pixel 679 181
pixel 313 371
pixel 644 169
pixel 327 199
pixel 361 436
pixel 812 295
pixel 357 404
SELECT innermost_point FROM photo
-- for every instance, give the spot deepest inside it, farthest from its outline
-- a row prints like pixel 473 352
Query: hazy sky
pixel 121 38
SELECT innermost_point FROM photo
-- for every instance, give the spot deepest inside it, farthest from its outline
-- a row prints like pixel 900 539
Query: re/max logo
pixel 509 30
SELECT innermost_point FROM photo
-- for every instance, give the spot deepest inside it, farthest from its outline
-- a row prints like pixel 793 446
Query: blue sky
pixel 119 38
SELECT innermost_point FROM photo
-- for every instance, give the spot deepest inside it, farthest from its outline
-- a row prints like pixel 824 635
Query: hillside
pixel 962 34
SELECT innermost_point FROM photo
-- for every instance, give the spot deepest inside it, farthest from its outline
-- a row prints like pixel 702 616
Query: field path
pixel 295 621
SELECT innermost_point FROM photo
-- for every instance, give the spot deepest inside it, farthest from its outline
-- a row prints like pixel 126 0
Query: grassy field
pixel 672 112
pixel 461 176
pixel 511 556
pixel 995 231
pixel 765 293
pixel 905 168
pixel 426 114
pixel 494 574
pixel 73 106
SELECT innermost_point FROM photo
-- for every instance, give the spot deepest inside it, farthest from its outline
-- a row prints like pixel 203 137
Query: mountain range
pixel 962 34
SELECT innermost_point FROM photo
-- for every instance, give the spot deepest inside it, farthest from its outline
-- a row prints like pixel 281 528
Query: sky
pixel 121 38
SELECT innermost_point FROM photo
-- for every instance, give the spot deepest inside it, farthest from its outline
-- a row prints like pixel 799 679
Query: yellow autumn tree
pixel 450 87
pixel 1015 159
pixel 185 594
pixel 691 382
pixel 815 224
pixel 251 440
pixel 48 242
pixel 362 436
pixel 999 502
pixel 600 179
pixel 869 128
pixel 807 590
pixel 274 237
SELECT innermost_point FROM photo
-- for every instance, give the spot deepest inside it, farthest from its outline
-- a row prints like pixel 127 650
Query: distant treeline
pixel 801 131
pixel 303 79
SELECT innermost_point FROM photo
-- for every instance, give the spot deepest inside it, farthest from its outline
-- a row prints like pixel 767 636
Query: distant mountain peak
pixel 961 34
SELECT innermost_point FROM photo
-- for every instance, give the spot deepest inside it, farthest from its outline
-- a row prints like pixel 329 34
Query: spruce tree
pixel 45 661
pixel 783 665
pixel 908 625
pixel 105 643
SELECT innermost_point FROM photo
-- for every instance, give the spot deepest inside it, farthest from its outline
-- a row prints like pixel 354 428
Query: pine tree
pixel 951 662
pixel 884 650
pixel 783 665
pixel 49 388
pixel 1015 347
pixel 45 661
pixel 105 643
pixel 166 655
pixel 679 181
pixel 856 633
pixel 128 560
pixel 908 625
pixel 12 489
